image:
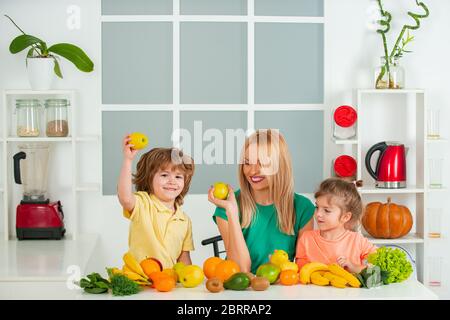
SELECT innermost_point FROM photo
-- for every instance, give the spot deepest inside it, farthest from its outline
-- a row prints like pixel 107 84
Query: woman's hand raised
pixel 230 204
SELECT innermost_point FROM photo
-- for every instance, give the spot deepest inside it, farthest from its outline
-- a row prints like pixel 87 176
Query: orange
pixel 158 274
pixel 149 266
pixel 171 273
pixel 288 277
pixel 209 266
pixel 226 269
pixel 164 284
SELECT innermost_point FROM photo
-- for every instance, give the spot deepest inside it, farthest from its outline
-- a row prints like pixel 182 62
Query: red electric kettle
pixel 390 171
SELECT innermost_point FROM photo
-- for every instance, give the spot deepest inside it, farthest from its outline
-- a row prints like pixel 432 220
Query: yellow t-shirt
pixel 157 232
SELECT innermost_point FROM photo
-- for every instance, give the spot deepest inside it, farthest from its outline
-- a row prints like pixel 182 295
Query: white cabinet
pixel 63 173
pixel 397 115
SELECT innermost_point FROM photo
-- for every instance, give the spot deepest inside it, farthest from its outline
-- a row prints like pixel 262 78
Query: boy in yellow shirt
pixel 158 226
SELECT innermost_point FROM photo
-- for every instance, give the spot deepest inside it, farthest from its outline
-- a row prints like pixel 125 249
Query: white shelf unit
pixel 9 141
pixel 397 115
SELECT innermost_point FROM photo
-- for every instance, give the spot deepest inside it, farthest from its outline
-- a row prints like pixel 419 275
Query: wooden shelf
pixel 38 92
pixel 409 238
pixel 390 91
pixel 374 190
pixel 351 141
pixel 39 139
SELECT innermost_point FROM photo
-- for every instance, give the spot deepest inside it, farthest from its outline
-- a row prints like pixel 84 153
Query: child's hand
pixel 346 264
pixel 128 152
pixel 229 204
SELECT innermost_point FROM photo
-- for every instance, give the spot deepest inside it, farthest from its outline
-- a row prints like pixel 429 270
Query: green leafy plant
pixel 372 276
pixel 94 283
pixel 393 262
pixel 39 49
pixel 400 44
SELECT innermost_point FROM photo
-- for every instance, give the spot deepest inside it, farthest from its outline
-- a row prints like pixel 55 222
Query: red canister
pixel 345 167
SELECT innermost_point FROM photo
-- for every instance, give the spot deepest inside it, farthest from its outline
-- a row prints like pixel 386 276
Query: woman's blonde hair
pixel 345 195
pixel 163 158
pixel 276 164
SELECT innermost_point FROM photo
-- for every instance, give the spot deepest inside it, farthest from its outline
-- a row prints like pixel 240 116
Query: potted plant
pixel 41 59
pixel 390 75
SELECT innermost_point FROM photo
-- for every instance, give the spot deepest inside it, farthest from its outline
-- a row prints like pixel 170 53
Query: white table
pixel 410 289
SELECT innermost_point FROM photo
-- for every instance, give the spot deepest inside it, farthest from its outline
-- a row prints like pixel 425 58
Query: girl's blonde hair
pixel 276 164
pixel 163 158
pixel 345 195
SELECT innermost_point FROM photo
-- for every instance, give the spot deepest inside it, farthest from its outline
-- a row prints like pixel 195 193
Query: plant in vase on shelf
pixel 390 75
pixel 41 59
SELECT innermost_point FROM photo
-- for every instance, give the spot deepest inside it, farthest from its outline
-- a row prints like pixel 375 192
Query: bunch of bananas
pixel 323 275
pixel 132 270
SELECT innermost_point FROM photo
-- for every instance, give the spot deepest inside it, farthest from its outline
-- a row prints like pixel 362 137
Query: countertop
pixel 409 289
pixel 46 269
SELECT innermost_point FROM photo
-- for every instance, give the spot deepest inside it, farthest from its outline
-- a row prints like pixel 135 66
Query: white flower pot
pixel 40 73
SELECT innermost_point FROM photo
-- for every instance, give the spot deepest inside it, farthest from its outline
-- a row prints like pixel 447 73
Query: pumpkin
pixel 387 221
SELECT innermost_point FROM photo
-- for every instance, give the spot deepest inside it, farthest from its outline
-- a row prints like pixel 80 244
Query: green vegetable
pixel 122 286
pixel 94 283
pixel 393 262
pixel 371 277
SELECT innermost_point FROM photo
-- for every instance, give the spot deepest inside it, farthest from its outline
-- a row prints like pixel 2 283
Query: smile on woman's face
pixel 253 172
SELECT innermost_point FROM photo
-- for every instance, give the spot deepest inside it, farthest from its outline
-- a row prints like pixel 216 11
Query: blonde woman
pixel 265 214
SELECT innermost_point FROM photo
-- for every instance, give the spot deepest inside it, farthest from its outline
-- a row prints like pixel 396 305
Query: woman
pixel 265 214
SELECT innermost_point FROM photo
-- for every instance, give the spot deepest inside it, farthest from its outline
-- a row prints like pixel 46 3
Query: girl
pixel 159 228
pixel 338 207
pixel 265 214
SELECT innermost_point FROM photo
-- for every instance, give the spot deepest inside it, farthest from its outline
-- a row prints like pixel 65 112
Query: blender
pixel 36 216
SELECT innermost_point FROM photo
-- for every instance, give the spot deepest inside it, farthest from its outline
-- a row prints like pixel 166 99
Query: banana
pixel 116 271
pixel 318 279
pixel 309 268
pixel 133 276
pixel 133 265
pixel 338 282
pixel 330 276
pixel 351 279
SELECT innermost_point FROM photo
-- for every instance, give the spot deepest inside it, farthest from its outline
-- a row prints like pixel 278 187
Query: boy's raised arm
pixel 125 187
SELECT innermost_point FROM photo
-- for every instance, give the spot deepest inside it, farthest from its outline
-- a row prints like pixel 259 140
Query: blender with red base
pixel 36 216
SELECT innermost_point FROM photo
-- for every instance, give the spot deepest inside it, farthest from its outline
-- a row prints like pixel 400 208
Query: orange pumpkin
pixel 387 221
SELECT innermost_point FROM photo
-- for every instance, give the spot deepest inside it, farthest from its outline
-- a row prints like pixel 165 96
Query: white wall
pixel 352 51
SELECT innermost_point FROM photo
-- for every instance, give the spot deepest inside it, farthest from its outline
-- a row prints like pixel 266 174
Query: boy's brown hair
pixel 348 196
pixel 163 158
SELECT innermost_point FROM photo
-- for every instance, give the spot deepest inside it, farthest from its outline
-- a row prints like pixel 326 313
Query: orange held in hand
pixel 288 277
pixel 150 265
pixel 209 266
pixel 226 269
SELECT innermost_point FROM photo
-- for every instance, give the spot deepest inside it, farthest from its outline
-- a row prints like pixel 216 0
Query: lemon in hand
pixel 220 191
pixel 138 140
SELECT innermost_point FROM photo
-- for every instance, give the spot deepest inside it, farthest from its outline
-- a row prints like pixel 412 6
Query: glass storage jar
pixel 389 75
pixel 57 123
pixel 344 124
pixel 28 117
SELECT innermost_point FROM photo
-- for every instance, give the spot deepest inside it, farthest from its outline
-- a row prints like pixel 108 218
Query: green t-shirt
pixel 263 235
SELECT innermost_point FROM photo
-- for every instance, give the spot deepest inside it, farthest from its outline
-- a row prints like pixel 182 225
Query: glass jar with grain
pixel 28 117
pixel 56 117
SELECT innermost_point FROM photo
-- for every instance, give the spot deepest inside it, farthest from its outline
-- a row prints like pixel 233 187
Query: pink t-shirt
pixel 312 247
